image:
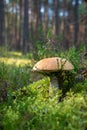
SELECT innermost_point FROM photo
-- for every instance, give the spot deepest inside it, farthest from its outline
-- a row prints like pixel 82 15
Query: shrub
pixel 12 78
pixel 3 82
pixel 34 109
pixel 72 55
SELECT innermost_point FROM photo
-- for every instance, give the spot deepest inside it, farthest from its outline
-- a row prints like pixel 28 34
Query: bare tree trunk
pixel 76 27
pixel 6 24
pixel 21 2
pixel 40 26
pixel 36 10
pixel 12 39
pixel 65 27
pixel 86 30
pixel 57 21
pixel 16 26
pixel 46 18
pixel 26 27
pixel 2 23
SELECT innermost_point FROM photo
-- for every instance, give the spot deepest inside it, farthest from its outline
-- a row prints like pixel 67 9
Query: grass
pixel 15 58
pixel 16 61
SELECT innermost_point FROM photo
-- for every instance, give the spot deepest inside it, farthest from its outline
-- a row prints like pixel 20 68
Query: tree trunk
pixel 16 26
pixel 66 30
pixel 2 23
pixel 21 14
pixel 6 24
pixel 46 18
pixel 26 27
pixel 57 21
pixel 76 26
pixel 40 21
pixel 86 30
pixel 37 18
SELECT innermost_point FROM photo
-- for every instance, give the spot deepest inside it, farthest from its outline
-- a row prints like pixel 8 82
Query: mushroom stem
pixel 53 83
pixel 60 80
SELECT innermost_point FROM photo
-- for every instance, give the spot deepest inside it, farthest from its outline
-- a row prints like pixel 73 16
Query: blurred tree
pixel 66 25
pixel 86 29
pixel 57 18
pixel 26 46
pixel 46 17
pixel 8 23
pixel 21 15
pixel 2 23
pixel 16 25
pixel 38 17
pixel 76 24
pixel 22 22
pixel 40 25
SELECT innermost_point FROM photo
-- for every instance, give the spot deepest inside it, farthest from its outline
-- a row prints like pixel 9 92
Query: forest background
pixel 26 25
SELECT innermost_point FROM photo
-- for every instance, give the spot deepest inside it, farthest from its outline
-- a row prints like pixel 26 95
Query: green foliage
pixel 82 10
pixel 45 51
pixel 49 34
pixel 39 88
pixel 80 87
pixel 34 106
pixel 19 73
pixel 35 110
pixel 4 51
pixel 12 78
pixel 3 82
pixel 72 55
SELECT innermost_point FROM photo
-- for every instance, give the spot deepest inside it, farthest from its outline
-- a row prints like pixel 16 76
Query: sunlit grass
pixel 17 62
pixel 16 53
pixel 15 58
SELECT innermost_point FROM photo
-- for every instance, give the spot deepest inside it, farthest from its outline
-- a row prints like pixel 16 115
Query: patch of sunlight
pixel 16 62
pixel 16 53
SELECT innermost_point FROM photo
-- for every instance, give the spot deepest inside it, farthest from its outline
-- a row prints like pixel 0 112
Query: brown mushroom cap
pixel 52 65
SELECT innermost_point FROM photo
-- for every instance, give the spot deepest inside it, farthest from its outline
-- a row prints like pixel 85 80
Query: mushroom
pixel 54 68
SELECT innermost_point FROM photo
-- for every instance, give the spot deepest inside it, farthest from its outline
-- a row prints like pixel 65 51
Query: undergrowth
pixel 28 105
pixel 34 109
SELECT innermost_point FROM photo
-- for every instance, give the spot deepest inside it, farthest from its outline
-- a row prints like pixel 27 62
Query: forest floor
pixel 27 104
